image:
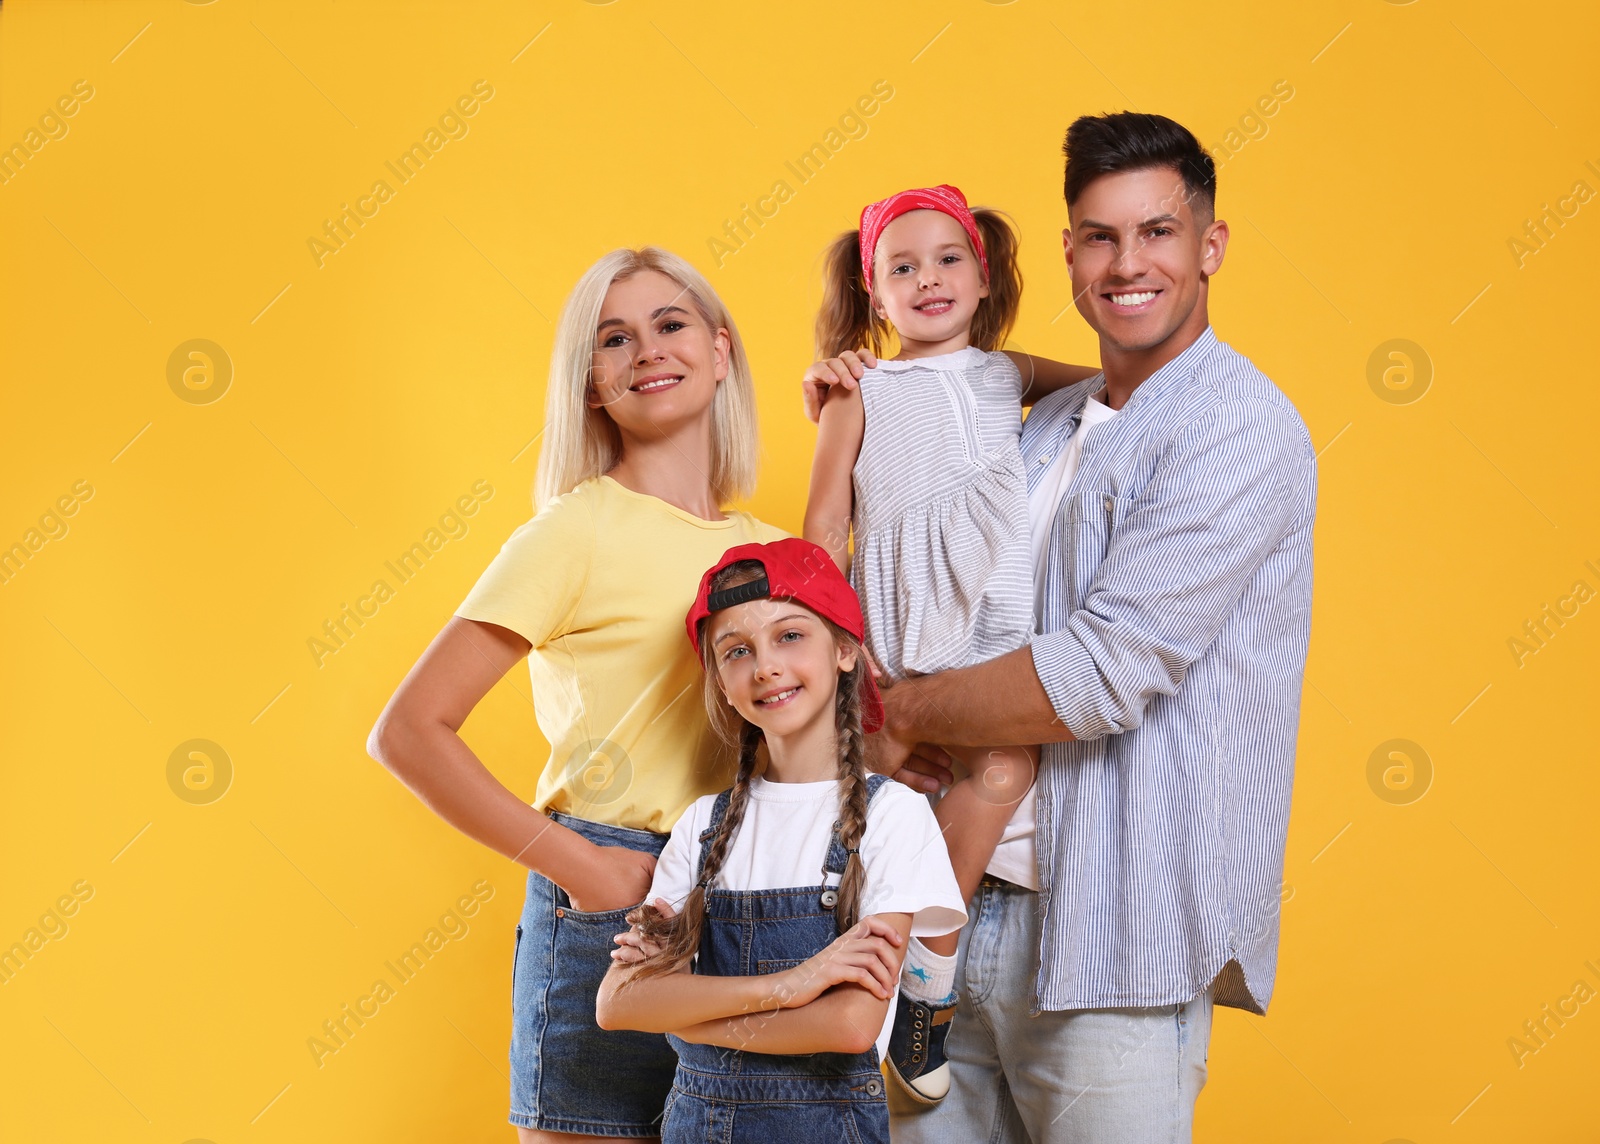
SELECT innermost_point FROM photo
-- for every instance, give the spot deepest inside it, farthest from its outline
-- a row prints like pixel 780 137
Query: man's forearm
pixel 1000 703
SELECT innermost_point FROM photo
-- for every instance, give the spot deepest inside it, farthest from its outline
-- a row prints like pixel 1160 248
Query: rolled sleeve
pixel 1222 496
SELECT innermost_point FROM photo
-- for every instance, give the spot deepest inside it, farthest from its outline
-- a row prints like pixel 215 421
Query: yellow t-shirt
pixel 599 582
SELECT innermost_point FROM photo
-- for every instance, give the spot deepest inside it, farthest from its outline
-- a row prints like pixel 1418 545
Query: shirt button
pixel 1045 460
pixel 1110 504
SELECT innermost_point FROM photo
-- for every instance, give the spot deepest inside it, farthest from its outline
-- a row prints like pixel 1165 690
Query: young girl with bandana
pixel 781 906
pixel 918 458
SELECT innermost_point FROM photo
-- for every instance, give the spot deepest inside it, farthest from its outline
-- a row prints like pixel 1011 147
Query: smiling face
pixel 656 362
pixel 927 281
pixel 1141 250
pixel 778 663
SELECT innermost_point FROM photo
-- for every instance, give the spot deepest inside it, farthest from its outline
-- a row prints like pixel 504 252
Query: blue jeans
pixel 568 1074
pixel 1092 1076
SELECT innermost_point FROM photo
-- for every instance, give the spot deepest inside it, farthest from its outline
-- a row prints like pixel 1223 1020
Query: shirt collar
pixel 1179 368
pixel 1077 396
pixel 963 358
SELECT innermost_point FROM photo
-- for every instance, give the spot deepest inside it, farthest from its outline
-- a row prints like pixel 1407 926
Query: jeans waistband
pixel 767 1088
pixel 604 834
pixel 989 881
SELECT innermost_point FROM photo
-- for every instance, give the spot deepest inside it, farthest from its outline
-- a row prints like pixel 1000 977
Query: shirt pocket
pixel 1090 520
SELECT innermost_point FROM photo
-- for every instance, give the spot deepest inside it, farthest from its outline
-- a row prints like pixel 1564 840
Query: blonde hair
pixel 847 321
pixel 679 936
pixel 580 442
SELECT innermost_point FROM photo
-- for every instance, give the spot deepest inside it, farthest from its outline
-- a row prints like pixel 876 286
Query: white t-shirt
pixel 1014 859
pixel 783 842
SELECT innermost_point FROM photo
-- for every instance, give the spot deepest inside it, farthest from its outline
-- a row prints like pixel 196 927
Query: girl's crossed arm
pixel 795 1011
pixel 847 1019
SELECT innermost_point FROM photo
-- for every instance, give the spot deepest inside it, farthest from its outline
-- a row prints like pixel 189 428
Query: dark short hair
pixel 1134 141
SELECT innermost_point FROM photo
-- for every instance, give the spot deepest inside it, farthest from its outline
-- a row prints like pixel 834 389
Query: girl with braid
pixel 780 909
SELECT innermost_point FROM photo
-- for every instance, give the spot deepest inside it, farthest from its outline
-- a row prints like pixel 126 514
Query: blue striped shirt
pixel 1177 606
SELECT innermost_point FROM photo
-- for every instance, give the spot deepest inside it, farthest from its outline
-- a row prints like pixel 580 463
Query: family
pixel 953 818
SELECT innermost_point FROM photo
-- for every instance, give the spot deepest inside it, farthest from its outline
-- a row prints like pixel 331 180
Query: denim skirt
pixel 567 1073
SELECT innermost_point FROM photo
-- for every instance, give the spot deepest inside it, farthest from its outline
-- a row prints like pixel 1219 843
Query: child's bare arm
pixel 868 958
pixel 832 498
pixel 845 1019
pixel 976 810
pixel 844 370
pixel 668 1001
pixel 1042 375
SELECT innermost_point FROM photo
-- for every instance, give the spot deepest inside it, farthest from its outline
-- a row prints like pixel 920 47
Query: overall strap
pixel 718 810
pixel 837 854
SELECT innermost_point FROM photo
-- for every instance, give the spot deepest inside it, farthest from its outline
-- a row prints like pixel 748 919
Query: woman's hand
pixel 619 877
pixel 632 946
pixel 864 956
pixel 845 370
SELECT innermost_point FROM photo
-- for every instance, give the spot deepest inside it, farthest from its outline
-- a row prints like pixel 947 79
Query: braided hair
pixel 679 936
pixel 852 790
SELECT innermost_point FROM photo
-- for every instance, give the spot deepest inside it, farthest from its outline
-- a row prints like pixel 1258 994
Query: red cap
pixel 944 198
pixel 797 570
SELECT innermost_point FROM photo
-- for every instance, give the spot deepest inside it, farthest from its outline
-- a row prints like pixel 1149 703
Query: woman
pixel 650 429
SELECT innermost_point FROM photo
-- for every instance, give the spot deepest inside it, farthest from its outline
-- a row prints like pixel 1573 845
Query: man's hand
pixel 890 751
pixel 927 769
pixel 845 370
pixel 886 754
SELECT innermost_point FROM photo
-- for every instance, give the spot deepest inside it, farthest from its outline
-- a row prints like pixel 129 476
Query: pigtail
pixel 679 936
pixel 997 313
pixel 846 320
pixel 852 793
pixel 722 841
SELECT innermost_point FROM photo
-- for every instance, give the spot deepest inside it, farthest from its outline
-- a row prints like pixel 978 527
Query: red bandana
pixel 943 198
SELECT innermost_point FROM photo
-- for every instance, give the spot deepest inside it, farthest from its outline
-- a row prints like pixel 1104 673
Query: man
pixel 1172 501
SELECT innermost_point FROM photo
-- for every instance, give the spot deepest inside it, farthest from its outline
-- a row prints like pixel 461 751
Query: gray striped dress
pixel 942 562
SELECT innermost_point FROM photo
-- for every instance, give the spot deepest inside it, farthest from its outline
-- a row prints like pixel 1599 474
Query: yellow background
pixel 372 392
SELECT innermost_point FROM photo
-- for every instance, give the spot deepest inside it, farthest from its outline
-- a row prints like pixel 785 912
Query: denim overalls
pixel 731 1094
